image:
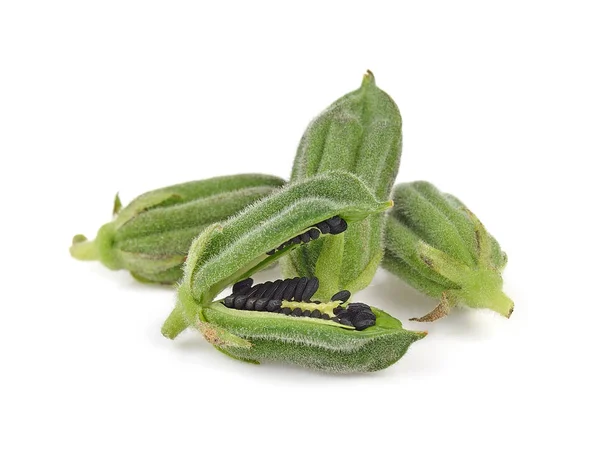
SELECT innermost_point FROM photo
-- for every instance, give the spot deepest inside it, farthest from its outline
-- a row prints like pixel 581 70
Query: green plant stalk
pixel 437 245
pixel 151 236
pixel 235 249
pixel 360 133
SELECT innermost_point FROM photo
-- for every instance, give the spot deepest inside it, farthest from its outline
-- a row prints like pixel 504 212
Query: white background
pixel 500 102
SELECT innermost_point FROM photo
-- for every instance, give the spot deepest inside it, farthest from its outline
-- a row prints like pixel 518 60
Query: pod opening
pixel 292 297
pixel 334 225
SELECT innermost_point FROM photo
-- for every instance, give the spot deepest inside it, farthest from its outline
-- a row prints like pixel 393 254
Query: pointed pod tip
pixel 510 311
pixel 117 205
pixel 368 78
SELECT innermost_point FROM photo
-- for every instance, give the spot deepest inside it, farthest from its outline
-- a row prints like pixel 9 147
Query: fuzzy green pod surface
pixel 437 245
pixel 235 249
pixel 359 133
pixel 307 342
pixel 151 236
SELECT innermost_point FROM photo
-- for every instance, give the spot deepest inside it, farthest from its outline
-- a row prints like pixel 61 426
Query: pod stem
pixel 440 311
pixel 175 324
pixel 82 249
pixel 482 288
pixel 500 303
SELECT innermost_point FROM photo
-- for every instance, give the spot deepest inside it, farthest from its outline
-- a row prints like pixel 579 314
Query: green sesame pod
pixel 398 266
pixel 308 342
pixel 437 245
pixel 499 258
pixel 403 242
pixel 151 236
pixel 235 249
pixel 359 133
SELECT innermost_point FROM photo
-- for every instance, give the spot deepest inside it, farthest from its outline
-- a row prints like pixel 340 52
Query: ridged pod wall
pixel 230 252
pixel 360 133
pixel 151 236
pixel 437 245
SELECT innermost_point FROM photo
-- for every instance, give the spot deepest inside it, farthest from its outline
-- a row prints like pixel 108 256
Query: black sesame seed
pixel 244 283
pixel 278 294
pixel 314 233
pixel 286 311
pixel 250 303
pixel 271 290
pixel 368 315
pixel 305 237
pixel 297 240
pixel 273 305
pixel 262 288
pixel 306 313
pixel 228 301
pixel 240 301
pixel 253 290
pixel 343 226
pixel 311 287
pixel 334 222
pixel 344 314
pixel 358 307
pixel 323 227
pixel 243 291
pixel 342 296
pixel 346 322
pixel 288 294
pixel 360 304
pixel 297 312
pixel 261 304
pixel 271 252
pixel 338 310
pixel 300 288
pixel 315 314
pixel 364 315
pixel 363 324
pixel 325 316
pixel 335 319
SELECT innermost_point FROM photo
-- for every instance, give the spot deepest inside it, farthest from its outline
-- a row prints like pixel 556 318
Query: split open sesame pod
pixel 151 236
pixel 359 133
pixel 235 249
pixel 437 245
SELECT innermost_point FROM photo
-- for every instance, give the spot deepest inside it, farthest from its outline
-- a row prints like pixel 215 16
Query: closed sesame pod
pixel 359 133
pixel 151 236
pixel 437 245
pixel 284 321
